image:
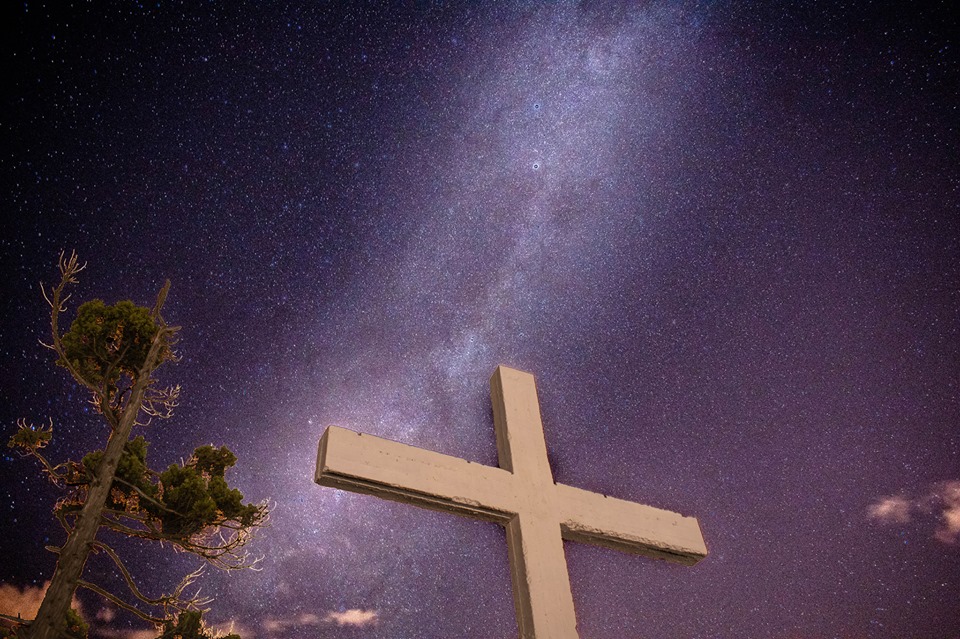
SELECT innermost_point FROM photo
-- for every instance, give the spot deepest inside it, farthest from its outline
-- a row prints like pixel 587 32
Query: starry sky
pixel 724 236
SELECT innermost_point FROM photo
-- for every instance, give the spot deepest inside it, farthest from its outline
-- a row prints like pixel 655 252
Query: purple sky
pixel 724 237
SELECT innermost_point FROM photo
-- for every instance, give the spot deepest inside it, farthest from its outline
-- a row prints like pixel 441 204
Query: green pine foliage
pixel 31 437
pixel 196 495
pixel 132 479
pixel 183 500
pixel 105 342
pixel 76 628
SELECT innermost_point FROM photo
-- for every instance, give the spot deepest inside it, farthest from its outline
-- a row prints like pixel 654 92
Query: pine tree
pixel 113 351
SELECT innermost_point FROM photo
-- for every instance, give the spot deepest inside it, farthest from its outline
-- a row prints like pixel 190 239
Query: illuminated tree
pixel 113 352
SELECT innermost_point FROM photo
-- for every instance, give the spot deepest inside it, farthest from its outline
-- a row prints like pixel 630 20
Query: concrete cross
pixel 521 495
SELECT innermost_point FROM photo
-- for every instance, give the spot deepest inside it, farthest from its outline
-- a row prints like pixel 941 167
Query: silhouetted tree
pixel 113 352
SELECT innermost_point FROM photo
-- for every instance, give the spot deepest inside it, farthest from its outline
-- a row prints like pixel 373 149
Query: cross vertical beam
pixel 521 447
pixel 538 565
pixel 541 584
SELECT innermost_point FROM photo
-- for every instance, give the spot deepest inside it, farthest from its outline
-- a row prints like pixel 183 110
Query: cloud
pixel 272 625
pixel 99 630
pixel 106 614
pixel 941 500
pixel 134 634
pixel 948 495
pixel 216 630
pixel 26 602
pixel 352 617
pixel 890 510
pixel 231 627
pixel 309 619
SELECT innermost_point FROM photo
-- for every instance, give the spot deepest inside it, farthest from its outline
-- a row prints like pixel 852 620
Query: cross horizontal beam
pixel 399 472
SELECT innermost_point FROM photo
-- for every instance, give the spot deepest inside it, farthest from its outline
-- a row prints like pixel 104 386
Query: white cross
pixel 521 495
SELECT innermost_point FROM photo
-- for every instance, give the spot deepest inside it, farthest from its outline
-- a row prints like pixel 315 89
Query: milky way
pixel 725 238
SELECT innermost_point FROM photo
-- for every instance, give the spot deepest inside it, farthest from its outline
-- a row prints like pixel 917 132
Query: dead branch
pixel 119 602
pixel 69 267
pixel 161 403
pixel 174 600
pixel 225 552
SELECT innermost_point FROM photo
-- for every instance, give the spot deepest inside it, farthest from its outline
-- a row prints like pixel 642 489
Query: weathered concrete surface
pixel 520 495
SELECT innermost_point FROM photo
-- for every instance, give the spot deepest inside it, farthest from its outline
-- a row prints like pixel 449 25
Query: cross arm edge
pixel 630 527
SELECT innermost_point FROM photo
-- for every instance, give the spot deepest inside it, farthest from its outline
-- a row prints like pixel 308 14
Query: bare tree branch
pixel 120 602
pixel 228 554
pixel 174 600
pixel 69 267
pixel 161 300
pixel 161 403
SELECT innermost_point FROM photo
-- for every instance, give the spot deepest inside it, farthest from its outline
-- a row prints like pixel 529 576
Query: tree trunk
pixel 51 618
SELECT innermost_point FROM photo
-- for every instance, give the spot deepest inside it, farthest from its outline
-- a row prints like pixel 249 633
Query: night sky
pixel 724 236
